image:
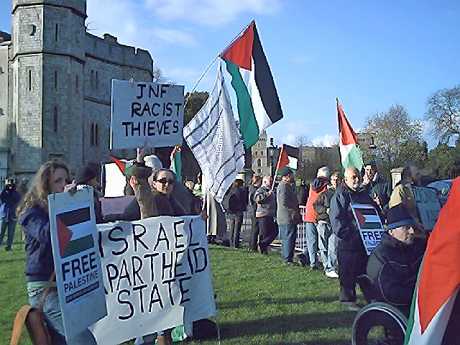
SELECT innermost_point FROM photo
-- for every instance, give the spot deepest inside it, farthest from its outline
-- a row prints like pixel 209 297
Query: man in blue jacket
pixel 9 199
pixel 352 257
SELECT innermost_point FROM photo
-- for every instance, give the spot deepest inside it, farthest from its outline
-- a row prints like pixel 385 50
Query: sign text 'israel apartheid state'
pixel 146 114
pixel 156 274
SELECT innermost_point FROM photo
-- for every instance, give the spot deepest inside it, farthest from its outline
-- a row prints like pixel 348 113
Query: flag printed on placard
pixel 257 99
pixel 74 231
pixel 215 141
pixel 350 153
pixel 439 278
pixel 367 218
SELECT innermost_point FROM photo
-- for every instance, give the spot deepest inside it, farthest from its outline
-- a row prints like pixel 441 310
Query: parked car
pixel 442 188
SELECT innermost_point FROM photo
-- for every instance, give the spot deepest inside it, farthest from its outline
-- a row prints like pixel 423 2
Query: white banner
pixel 156 274
pixel 369 224
pixel 146 114
pixel 76 260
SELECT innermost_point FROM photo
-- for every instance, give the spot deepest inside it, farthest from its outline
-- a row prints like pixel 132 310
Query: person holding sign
pixel 33 216
pixel 352 257
pixel 152 204
pixel 394 264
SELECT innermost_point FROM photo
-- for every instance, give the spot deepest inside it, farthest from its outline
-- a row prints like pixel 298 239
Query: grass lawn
pixel 260 300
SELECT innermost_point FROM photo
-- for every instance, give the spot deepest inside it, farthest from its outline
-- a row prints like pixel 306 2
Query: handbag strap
pixel 41 303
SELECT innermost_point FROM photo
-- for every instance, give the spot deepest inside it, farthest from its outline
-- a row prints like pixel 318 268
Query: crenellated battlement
pixel 78 6
pixel 108 49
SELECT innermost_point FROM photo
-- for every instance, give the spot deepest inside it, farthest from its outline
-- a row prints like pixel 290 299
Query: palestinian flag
pixel 367 217
pixel 74 231
pixel 176 163
pixel 120 164
pixel 257 100
pixel 283 159
pixel 439 278
pixel 349 150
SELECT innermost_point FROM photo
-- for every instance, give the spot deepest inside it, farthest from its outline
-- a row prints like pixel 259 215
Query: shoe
pixel 331 274
pixel 289 263
pixel 351 306
pixel 8 249
pixel 302 259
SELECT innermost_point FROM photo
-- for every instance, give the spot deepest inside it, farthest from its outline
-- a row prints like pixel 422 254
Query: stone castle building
pixel 261 164
pixel 55 86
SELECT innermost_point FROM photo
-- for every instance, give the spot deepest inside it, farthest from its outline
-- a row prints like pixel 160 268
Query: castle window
pixel 76 83
pixel 91 135
pixel 55 119
pixel 55 80
pixel 96 134
pixel 56 32
pixel 32 29
pixel 30 80
pixel 259 163
pixel 91 83
pixel 97 80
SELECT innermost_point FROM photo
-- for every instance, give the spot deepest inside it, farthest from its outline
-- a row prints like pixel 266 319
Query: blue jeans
pixel 288 233
pixel 312 243
pixel 10 224
pixel 53 317
pixel 327 246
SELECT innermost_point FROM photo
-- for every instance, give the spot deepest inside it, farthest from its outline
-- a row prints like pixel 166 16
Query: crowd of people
pixel 333 241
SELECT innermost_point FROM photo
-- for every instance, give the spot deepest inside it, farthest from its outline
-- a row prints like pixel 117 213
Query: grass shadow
pixel 267 301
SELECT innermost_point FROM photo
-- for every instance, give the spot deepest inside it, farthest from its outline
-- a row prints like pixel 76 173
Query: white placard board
pixel 428 206
pixel 157 276
pixel 369 225
pixel 76 260
pixel 146 114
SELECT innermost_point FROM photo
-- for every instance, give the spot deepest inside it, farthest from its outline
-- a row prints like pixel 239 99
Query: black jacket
pixel 382 189
pixel 342 221
pixel 393 267
pixel 236 200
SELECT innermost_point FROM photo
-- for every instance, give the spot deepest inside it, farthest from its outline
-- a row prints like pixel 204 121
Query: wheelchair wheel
pixel 379 324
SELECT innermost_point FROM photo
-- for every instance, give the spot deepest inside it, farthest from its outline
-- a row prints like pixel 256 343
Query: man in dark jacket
pixel 253 187
pixel 265 213
pixel 378 188
pixel 394 264
pixel 235 203
pixel 9 199
pixel 352 257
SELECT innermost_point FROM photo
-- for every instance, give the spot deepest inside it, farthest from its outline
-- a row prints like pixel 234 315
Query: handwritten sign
pixel 156 274
pixel 76 260
pixel 428 206
pixel 369 225
pixel 146 114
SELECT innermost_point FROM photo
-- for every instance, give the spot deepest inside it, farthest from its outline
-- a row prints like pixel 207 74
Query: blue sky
pixel 370 54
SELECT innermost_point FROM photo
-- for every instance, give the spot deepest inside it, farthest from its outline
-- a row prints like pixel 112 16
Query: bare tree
pixel 444 113
pixel 395 135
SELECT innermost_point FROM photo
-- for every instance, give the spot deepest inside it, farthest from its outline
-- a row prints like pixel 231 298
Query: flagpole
pixel 214 61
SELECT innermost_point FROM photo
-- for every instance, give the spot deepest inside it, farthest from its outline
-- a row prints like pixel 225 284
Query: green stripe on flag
pixel 353 159
pixel 248 123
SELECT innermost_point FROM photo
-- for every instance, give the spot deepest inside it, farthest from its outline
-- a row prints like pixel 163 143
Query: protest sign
pixel 156 274
pixel 369 225
pixel 428 206
pixel 76 260
pixel 146 114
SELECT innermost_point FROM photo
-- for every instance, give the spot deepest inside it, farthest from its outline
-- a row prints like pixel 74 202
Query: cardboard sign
pixel 156 274
pixel 428 206
pixel 369 225
pixel 76 260
pixel 146 114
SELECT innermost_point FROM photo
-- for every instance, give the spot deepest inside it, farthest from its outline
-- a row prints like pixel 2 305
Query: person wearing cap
pixel 9 200
pixel 393 266
pixel 88 175
pixel 287 214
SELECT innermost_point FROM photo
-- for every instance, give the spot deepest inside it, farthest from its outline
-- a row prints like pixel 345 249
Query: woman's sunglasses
pixel 165 180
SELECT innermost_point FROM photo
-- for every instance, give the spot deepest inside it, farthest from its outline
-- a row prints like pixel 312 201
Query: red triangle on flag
pixel 120 164
pixel 347 134
pixel 283 159
pixel 240 51
pixel 440 273
pixel 360 217
pixel 64 235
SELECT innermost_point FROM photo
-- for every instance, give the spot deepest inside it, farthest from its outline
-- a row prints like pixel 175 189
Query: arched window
pixel 91 135
pixel 96 134
pixel 259 163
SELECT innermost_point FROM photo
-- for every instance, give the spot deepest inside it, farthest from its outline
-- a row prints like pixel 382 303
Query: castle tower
pixel 47 64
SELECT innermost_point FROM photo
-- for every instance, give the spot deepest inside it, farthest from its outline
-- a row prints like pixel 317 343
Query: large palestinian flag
pixel 257 100
pixel 439 278
pixel 349 150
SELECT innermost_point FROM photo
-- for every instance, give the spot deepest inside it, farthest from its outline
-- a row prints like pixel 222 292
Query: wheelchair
pixel 378 323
